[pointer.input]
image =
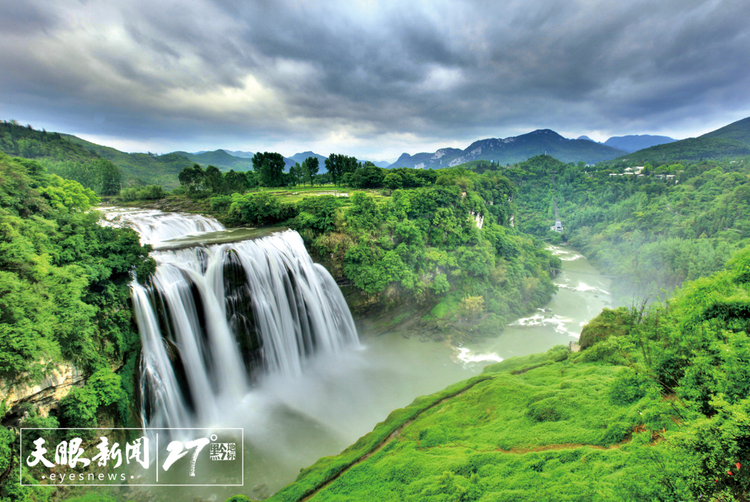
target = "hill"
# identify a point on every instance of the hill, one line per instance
(64, 153)
(513, 150)
(732, 140)
(379, 163)
(219, 158)
(653, 407)
(737, 131)
(633, 143)
(140, 168)
(691, 149)
(238, 153)
(301, 157)
(26, 142)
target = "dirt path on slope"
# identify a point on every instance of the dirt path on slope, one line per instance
(393, 435)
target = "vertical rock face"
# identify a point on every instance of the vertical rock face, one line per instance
(44, 396)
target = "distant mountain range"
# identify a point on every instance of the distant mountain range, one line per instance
(147, 168)
(301, 157)
(513, 150)
(240, 161)
(633, 143)
(732, 140)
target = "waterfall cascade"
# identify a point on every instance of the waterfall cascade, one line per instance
(211, 317)
(155, 226)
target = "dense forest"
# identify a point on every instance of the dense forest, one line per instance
(443, 246)
(100, 168)
(673, 222)
(64, 298)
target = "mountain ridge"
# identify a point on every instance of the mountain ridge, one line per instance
(634, 142)
(732, 140)
(512, 150)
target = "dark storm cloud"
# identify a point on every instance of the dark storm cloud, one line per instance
(362, 71)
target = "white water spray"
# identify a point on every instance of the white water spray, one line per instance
(212, 315)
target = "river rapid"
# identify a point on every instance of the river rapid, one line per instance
(290, 421)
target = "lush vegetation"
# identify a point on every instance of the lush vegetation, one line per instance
(63, 299)
(677, 222)
(655, 405)
(445, 248)
(100, 168)
(693, 149)
(139, 169)
(732, 140)
(656, 409)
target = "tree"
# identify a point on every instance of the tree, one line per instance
(192, 177)
(338, 165)
(368, 176)
(311, 168)
(295, 173)
(235, 182)
(270, 168)
(110, 176)
(213, 179)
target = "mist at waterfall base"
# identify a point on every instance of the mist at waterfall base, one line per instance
(303, 403)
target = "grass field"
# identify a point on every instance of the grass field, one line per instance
(542, 427)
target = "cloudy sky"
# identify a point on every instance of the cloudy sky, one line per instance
(370, 78)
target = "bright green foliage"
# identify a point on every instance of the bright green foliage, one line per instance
(310, 168)
(317, 214)
(63, 277)
(424, 245)
(657, 410)
(79, 407)
(151, 192)
(608, 323)
(258, 209)
(649, 232)
(64, 292)
(100, 175)
(67, 195)
(97, 167)
(339, 166)
(203, 183)
(107, 386)
(535, 428)
(94, 496)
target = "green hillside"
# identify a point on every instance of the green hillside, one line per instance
(303, 156)
(20, 141)
(738, 131)
(655, 408)
(732, 140)
(219, 158)
(675, 223)
(140, 169)
(691, 149)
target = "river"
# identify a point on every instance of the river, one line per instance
(290, 421)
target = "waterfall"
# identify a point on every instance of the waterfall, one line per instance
(155, 226)
(213, 317)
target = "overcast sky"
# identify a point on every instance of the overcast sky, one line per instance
(370, 78)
